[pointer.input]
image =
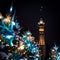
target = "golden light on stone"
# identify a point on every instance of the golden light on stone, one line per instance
(7, 19)
(41, 29)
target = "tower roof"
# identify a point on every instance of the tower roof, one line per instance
(41, 21)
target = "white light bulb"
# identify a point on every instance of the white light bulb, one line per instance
(28, 45)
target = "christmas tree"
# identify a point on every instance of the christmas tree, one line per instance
(12, 45)
(55, 54)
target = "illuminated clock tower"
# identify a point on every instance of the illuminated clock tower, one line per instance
(41, 43)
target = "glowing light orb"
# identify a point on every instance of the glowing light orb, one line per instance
(37, 55)
(1, 16)
(11, 8)
(0, 40)
(29, 45)
(9, 36)
(24, 36)
(13, 23)
(21, 47)
(41, 21)
(7, 19)
(28, 33)
(53, 50)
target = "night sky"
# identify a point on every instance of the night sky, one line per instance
(29, 12)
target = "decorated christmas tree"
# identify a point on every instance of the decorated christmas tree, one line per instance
(55, 54)
(12, 45)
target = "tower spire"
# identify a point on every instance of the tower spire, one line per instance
(41, 42)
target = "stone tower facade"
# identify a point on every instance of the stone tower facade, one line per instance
(41, 43)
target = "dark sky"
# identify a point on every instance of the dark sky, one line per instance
(29, 12)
